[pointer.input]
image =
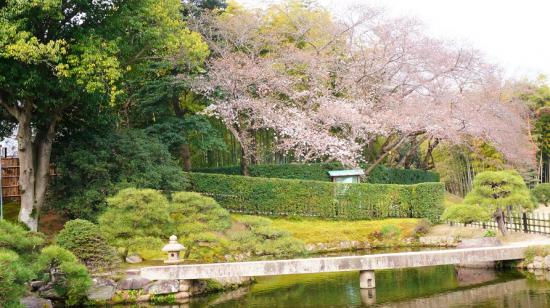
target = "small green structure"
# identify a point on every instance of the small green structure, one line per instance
(346, 176)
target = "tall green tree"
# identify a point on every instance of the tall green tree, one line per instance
(57, 56)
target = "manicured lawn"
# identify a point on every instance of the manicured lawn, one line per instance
(312, 230)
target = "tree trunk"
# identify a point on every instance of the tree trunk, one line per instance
(186, 157)
(377, 162)
(245, 162)
(499, 216)
(185, 150)
(34, 164)
(27, 213)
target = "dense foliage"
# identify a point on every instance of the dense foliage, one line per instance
(140, 220)
(259, 238)
(13, 274)
(265, 196)
(84, 240)
(498, 192)
(465, 213)
(134, 217)
(197, 220)
(319, 172)
(541, 193)
(92, 168)
(60, 268)
(16, 238)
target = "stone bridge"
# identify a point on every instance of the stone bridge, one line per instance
(366, 264)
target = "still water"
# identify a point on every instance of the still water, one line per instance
(439, 286)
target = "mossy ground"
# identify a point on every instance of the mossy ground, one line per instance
(328, 231)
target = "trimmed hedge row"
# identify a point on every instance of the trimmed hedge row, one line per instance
(284, 197)
(318, 172)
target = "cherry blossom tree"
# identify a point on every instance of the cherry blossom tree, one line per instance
(330, 96)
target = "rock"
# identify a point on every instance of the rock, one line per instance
(144, 298)
(102, 289)
(133, 283)
(34, 301)
(182, 295)
(49, 293)
(185, 285)
(530, 266)
(35, 285)
(162, 287)
(232, 282)
(134, 259)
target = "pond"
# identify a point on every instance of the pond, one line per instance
(439, 286)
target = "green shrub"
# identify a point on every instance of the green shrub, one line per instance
(269, 196)
(196, 220)
(465, 213)
(84, 240)
(134, 214)
(15, 237)
(490, 233)
(541, 192)
(422, 228)
(319, 172)
(536, 251)
(13, 276)
(260, 239)
(390, 231)
(70, 278)
(148, 248)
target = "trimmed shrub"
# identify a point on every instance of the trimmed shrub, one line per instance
(541, 192)
(319, 172)
(15, 237)
(390, 232)
(465, 213)
(197, 219)
(422, 228)
(260, 238)
(84, 240)
(134, 214)
(269, 196)
(13, 276)
(60, 267)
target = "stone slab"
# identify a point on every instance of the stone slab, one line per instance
(336, 264)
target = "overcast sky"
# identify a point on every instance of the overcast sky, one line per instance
(512, 33)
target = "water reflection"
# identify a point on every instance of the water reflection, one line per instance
(440, 286)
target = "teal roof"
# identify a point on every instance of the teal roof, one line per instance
(350, 172)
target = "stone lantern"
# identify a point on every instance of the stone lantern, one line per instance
(173, 249)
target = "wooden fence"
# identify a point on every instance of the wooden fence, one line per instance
(10, 178)
(520, 222)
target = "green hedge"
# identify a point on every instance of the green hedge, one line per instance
(318, 172)
(283, 197)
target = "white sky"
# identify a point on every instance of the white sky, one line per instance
(512, 33)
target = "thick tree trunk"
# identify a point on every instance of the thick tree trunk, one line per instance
(499, 216)
(34, 163)
(27, 172)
